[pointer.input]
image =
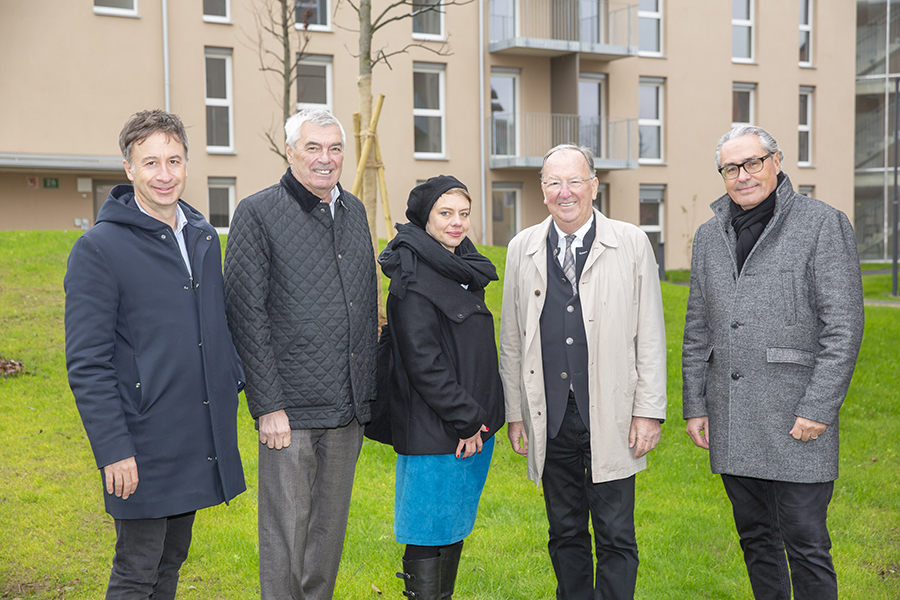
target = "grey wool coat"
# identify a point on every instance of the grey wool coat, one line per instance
(777, 341)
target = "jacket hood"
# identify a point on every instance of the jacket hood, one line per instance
(120, 207)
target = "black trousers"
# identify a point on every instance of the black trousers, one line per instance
(149, 553)
(775, 518)
(571, 498)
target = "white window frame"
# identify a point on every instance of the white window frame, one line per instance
(748, 23)
(750, 88)
(660, 228)
(807, 28)
(317, 26)
(438, 37)
(658, 16)
(601, 202)
(515, 75)
(117, 12)
(222, 183)
(228, 101)
(220, 19)
(327, 62)
(659, 121)
(806, 127)
(441, 111)
(505, 187)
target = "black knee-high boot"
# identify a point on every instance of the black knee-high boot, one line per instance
(423, 578)
(449, 567)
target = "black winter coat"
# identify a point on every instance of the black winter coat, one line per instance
(445, 358)
(302, 305)
(150, 358)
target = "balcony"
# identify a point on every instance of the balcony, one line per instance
(520, 140)
(600, 29)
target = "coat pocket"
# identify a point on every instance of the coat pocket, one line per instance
(706, 359)
(790, 355)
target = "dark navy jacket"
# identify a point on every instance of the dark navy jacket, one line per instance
(151, 361)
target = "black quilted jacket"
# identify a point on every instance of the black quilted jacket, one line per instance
(302, 306)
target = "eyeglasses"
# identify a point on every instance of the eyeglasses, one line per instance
(555, 185)
(754, 165)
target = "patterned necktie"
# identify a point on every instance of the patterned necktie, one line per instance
(569, 263)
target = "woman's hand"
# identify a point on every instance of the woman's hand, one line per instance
(470, 446)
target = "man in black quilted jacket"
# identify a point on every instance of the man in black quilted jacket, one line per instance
(302, 307)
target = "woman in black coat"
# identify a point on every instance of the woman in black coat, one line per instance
(448, 401)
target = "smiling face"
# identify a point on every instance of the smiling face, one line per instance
(158, 170)
(448, 221)
(317, 157)
(749, 190)
(570, 208)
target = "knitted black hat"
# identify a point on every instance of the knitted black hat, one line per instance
(423, 196)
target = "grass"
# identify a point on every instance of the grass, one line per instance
(58, 542)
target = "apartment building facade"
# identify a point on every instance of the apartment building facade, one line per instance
(480, 90)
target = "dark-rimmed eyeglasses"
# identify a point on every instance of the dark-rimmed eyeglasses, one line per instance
(751, 166)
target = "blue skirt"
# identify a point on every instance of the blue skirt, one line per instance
(436, 496)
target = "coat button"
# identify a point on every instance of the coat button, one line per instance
(340, 256)
(351, 303)
(200, 344)
(138, 384)
(570, 308)
(537, 292)
(532, 371)
(209, 237)
(564, 375)
(735, 376)
(206, 402)
(735, 325)
(209, 458)
(197, 285)
(187, 287)
(570, 341)
(459, 315)
(539, 413)
(162, 237)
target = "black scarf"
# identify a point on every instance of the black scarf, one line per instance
(749, 224)
(412, 244)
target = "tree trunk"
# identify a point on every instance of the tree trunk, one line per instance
(364, 85)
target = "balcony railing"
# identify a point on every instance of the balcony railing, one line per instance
(520, 140)
(606, 30)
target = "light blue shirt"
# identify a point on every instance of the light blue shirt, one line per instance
(179, 233)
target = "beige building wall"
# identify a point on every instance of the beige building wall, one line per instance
(71, 78)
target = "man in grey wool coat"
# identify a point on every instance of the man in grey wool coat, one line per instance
(773, 328)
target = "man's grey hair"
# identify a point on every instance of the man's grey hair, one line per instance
(585, 151)
(765, 138)
(316, 116)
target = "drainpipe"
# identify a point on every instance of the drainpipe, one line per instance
(165, 32)
(481, 136)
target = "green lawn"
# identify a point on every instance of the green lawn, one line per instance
(58, 542)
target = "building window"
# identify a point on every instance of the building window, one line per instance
(650, 119)
(221, 202)
(806, 7)
(427, 20)
(743, 100)
(651, 216)
(650, 27)
(217, 11)
(428, 109)
(118, 8)
(219, 100)
(742, 30)
(314, 82)
(807, 190)
(504, 112)
(592, 113)
(311, 14)
(804, 128)
(505, 199)
(601, 202)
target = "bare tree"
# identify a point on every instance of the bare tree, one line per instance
(398, 10)
(280, 46)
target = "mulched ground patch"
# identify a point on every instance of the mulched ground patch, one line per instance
(10, 368)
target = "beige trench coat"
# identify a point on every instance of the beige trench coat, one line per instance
(623, 320)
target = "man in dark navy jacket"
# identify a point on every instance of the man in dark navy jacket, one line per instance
(151, 362)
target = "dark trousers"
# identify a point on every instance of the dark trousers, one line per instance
(149, 553)
(571, 498)
(778, 517)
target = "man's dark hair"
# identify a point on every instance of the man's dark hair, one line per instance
(147, 122)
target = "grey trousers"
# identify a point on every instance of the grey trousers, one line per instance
(304, 501)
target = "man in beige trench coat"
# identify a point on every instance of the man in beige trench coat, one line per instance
(583, 363)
